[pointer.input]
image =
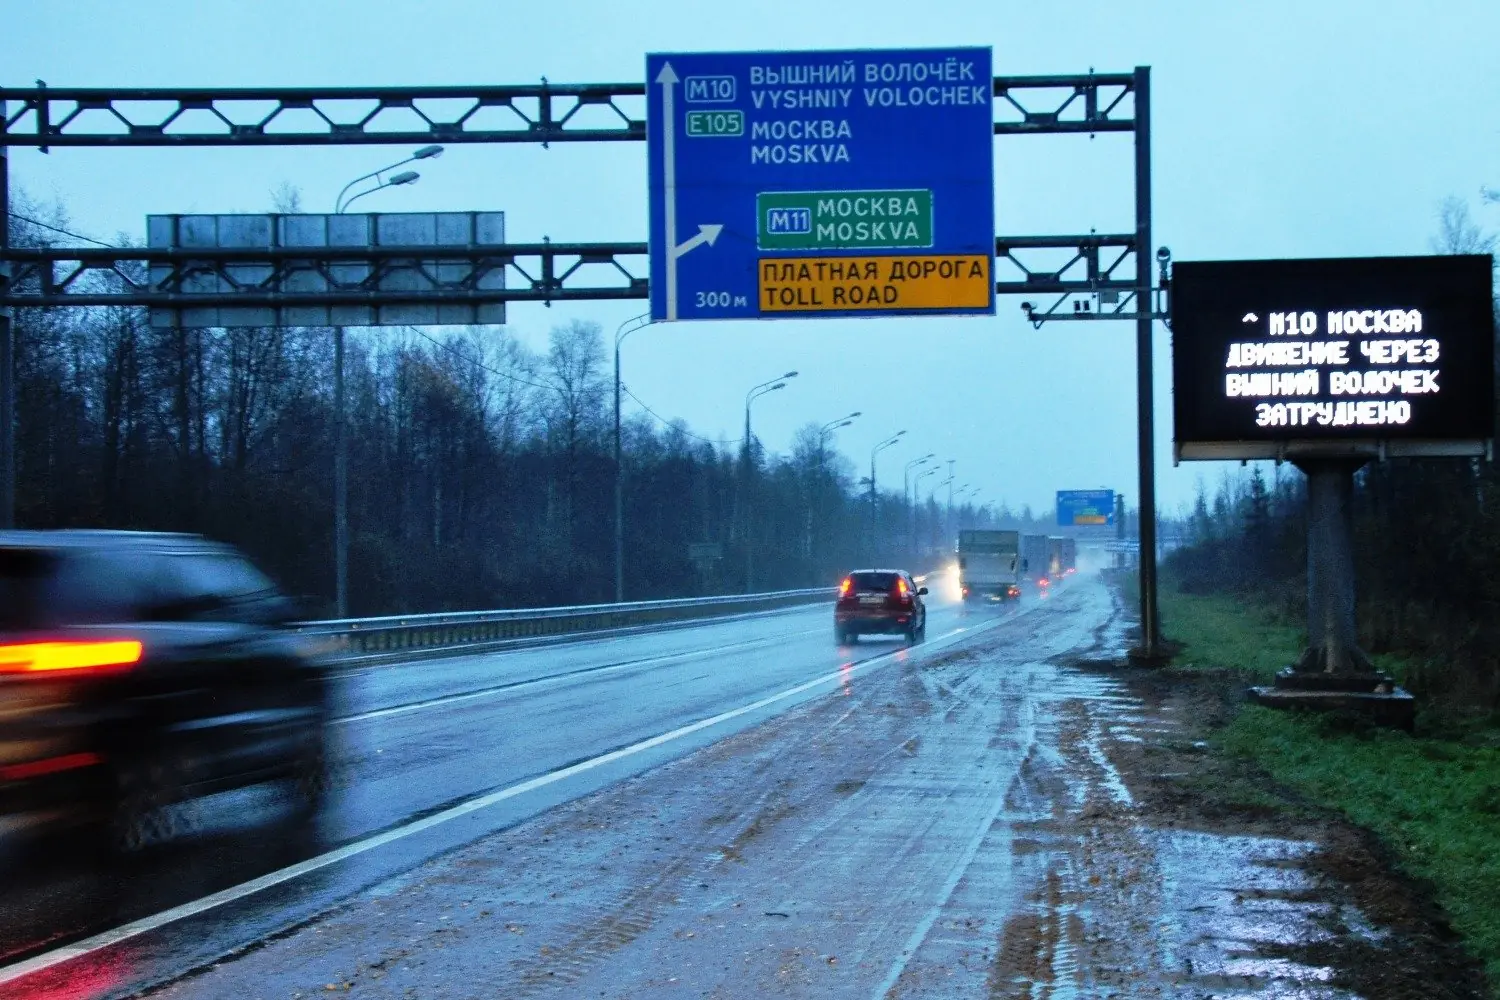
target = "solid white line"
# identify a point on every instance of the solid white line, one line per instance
(925, 925)
(146, 924)
(580, 673)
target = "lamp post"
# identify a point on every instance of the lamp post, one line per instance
(817, 487)
(916, 485)
(874, 493)
(425, 153)
(906, 499)
(933, 497)
(750, 397)
(628, 327)
(340, 431)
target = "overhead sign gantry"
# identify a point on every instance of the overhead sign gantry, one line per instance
(843, 183)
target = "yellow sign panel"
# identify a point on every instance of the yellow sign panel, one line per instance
(875, 284)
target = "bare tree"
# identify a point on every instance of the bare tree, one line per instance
(1458, 233)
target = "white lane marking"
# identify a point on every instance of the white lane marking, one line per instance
(580, 672)
(924, 926)
(136, 928)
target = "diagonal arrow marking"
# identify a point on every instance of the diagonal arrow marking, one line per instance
(706, 235)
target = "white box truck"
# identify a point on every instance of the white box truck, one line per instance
(989, 565)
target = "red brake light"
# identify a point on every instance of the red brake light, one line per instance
(844, 587)
(900, 586)
(66, 657)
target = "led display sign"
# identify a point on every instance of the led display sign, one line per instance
(1285, 357)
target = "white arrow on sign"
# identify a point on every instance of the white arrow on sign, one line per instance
(706, 233)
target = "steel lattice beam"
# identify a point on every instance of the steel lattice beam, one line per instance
(43, 117)
(283, 116)
(160, 277)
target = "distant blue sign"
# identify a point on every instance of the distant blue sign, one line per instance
(1085, 507)
(850, 183)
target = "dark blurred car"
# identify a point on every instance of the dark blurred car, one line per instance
(880, 602)
(138, 670)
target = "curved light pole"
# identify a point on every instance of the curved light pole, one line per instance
(933, 496)
(874, 494)
(906, 500)
(755, 393)
(425, 153)
(340, 433)
(817, 488)
(628, 327)
(916, 485)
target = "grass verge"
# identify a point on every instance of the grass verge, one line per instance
(1434, 802)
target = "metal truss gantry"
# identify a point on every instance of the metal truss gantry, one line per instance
(1110, 270)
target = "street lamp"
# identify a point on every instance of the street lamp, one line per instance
(874, 494)
(628, 327)
(755, 393)
(911, 508)
(425, 153)
(916, 485)
(932, 497)
(340, 432)
(815, 493)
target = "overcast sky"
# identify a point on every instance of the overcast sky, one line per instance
(1302, 128)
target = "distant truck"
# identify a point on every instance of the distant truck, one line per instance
(1055, 559)
(990, 565)
(1034, 556)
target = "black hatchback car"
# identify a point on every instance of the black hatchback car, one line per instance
(880, 601)
(138, 670)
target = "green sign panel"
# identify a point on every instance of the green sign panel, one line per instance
(714, 124)
(843, 220)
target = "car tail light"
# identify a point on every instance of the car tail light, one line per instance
(69, 658)
(903, 592)
(845, 587)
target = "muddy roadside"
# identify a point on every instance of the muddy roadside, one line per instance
(1401, 945)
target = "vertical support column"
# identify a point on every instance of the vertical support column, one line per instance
(1120, 533)
(340, 481)
(1146, 433)
(1332, 637)
(749, 522)
(7, 352)
(619, 491)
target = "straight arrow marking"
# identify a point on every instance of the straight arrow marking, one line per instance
(668, 80)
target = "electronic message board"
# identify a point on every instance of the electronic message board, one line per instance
(1276, 358)
(821, 184)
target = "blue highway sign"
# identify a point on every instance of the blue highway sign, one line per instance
(1085, 507)
(798, 184)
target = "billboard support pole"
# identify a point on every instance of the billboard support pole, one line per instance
(1150, 648)
(7, 354)
(1332, 636)
(340, 481)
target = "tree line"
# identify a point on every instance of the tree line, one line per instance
(481, 473)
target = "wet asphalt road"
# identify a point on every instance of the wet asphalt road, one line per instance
(952, 823)
(420, 740)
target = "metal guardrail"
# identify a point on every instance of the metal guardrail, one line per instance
(469, 631)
